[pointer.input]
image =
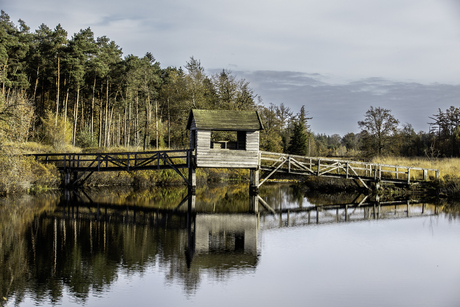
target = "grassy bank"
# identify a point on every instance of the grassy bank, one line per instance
(20, 173)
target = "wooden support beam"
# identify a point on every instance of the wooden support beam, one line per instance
(269, 175)
(266, 206)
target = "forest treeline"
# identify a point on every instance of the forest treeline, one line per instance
(81, 90)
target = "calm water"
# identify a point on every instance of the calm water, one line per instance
(128, 248)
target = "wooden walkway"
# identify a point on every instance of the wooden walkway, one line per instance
(77, 167)
(82, 165)
(333, 168)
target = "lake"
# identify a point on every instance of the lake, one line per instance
(119, 247)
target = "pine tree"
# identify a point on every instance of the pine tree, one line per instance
(298, 142)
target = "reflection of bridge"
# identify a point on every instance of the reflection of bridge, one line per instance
(208, 235)
(351, 212)
(214, 237)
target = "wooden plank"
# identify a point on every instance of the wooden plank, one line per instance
(217, 159)
(229, 155)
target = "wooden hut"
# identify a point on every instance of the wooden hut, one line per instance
(241, 151)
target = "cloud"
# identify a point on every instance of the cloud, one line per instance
(336, 108)
(412, 46)
(411, 40)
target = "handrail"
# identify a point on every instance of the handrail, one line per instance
(347, 161)
(349, 169)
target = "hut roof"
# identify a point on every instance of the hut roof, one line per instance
(225, 120)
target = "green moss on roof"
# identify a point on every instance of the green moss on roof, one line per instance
(225, 120)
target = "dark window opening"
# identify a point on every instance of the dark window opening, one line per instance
(232, 140)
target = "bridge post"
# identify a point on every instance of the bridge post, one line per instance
(191, 202)
(66, 178)
(254, 203)
(191, 174)
(254, 182)
(192, 180)
(254, 191)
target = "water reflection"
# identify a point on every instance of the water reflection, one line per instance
(81, 243)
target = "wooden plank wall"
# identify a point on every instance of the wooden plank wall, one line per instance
(252, 141)
(203, 142)
(224, 158)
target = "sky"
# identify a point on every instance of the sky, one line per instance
(336, 57)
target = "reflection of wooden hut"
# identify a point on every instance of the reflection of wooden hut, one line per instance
(239, 153)
(219, 233)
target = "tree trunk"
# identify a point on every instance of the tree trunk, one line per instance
(82, 120)
(36, 82)
(5, 70)
(156, 123)
(129, 125)
(169, 126)
(92, 110)
(146, 124)
(125, 128)
(101, 111)
(66, 106)
(119, 130)
(65, 111)
(136, 124)
(109, 125)
(106, 132)
(74, 132)
(58, 87)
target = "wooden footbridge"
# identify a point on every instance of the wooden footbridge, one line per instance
(362, 172)
(77, 167)
(241, 152)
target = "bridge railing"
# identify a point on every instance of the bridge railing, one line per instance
(118, 161)
(327, 167)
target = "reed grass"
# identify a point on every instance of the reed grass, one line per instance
(448, 183)
(446, 166)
